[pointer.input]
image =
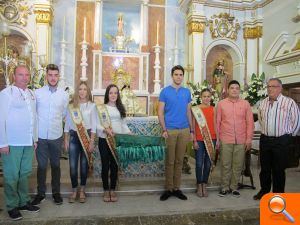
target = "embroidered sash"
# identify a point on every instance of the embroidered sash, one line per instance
(201, 121)
(106, 123)
(81, 132)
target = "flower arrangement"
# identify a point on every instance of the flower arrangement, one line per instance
(257, 89)
(196, 92)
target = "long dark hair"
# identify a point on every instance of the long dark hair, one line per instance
(119, 104)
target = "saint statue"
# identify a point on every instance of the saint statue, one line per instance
(122, 79)
(120, 25)
(220, 80)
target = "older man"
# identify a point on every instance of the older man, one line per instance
(52, 105)
(18, 138)
(279, 118)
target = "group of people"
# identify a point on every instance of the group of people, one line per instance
(228, 128)
(32, 123)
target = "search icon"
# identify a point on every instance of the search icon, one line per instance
(277, 205)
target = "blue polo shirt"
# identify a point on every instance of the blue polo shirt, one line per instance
(176, 103)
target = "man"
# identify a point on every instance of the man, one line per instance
(279, 118)
(18, 139)
(52, 104)
(234, 127)
(174, 114)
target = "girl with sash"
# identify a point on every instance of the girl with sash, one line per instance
(111, 122)
(204, 140)
(80, 132)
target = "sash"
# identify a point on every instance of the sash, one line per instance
(82, 133)
(201, 121)
(106, 123)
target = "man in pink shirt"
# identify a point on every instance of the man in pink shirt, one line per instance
(234, 127)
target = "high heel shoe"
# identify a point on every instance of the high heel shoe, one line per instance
(72, 197)
(204, 190)
(199, 190)
(82, 196)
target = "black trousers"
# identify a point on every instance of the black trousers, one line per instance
(108, 165)
(273, 160)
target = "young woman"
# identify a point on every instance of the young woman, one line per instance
(81, 111)
(116, 114)
(203, 162)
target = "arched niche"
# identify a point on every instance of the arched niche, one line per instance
(228, 48)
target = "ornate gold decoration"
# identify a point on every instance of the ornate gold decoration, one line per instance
(297, 46)
(121, 78)
(196, 27)
(43, 16)
(15, 11)
(224, 25)
(253, 32)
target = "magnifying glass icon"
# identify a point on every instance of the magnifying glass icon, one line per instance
(277, 205)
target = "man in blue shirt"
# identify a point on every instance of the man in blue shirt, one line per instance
(174, 114)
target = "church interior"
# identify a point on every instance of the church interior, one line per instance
(135, 43)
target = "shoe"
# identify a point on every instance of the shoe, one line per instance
(57, 199)
(199, 190)
(165, 195)
(204, 190)
(236, 194)
(106, 196)
(38, 199)
(29, 208)
(259, 195)
(178, 193)
(82, 196)
(113, 196)
(72, 197)
(15, 214)
(223, 193)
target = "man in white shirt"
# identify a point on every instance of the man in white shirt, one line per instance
(52, 105)
(18, 139)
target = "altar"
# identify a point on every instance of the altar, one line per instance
(148, 161)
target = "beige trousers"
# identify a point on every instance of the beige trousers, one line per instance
(232, 161)
(176, 147)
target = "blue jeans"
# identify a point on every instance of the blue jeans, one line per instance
(203, 163)
(75, 152)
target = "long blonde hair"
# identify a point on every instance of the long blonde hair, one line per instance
(75, 99)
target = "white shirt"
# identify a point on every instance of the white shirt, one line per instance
(51, 110)
(89, 114)
(18, 121)
(118, 125)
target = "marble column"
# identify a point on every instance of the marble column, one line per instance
(144, 24)
(253, 49)
(44, 15)
(98, 21)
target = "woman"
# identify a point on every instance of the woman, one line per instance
(203, 162)
(116, 113)
(82, 111)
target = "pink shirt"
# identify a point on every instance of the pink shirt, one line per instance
(234, 123)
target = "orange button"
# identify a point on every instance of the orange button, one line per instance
(280, 209)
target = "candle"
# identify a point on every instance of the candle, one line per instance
(157, 31)
(64, 25)
(176, 35)
(84, 28)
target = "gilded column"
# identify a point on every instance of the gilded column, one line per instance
(44, 15)
(196, 27)
(253, 50)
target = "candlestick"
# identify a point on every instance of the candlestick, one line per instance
(176, 35)
(84, 28)
(64, 25)
(157, 32)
